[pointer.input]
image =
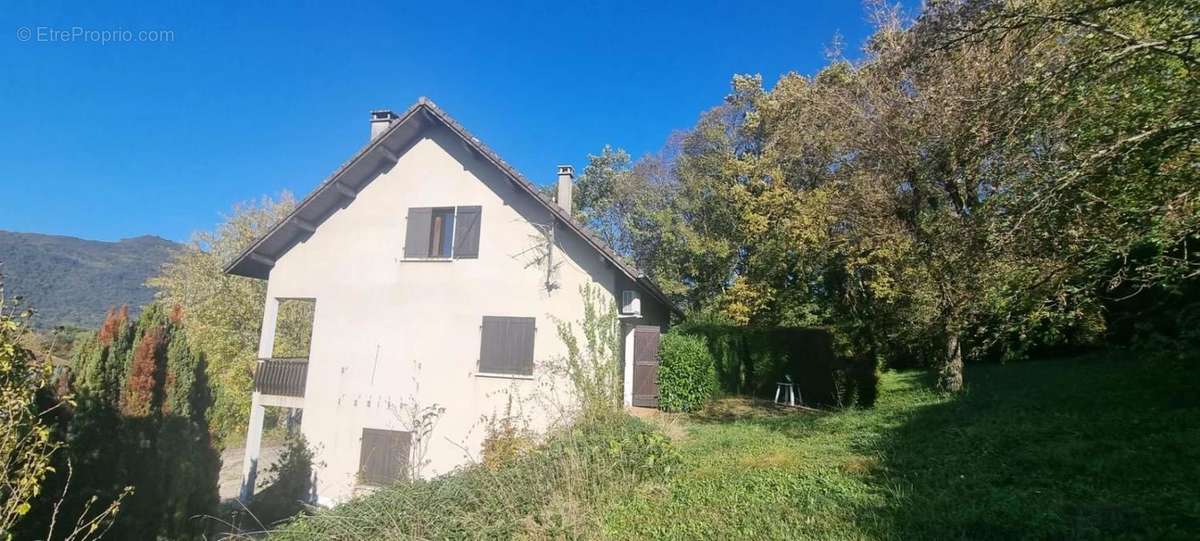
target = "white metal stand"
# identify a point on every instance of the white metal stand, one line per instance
(780, 387)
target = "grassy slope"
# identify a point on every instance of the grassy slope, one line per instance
(1058, 449)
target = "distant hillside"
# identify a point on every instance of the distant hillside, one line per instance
(72, 281)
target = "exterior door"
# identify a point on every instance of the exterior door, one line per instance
(645, 366)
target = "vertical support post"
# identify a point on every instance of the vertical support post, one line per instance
(628, 328)
(253, 447)
(266, 337)
(266, 345)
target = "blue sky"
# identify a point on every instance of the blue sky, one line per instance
(114, 140)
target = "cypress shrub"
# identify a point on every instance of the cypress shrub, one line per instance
(139, 420)
(687, 375)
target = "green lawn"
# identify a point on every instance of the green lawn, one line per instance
(1068, 449)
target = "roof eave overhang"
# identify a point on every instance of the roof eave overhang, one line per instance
(259, 257)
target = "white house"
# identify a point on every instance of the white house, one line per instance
(437, 273)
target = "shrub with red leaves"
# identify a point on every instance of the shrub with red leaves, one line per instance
(144, 389)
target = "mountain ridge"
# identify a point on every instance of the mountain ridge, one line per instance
(72, 281)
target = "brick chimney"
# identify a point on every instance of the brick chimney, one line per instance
(566, 187)
(381, 119)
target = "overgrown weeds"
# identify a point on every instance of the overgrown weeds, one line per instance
(548, 492)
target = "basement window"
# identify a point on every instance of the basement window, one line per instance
(383, 456)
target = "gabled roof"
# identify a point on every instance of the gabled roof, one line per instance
(381, 152)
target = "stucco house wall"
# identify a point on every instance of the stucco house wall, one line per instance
(390, 332)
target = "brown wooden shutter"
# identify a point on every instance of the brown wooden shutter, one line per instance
(383, 459)
(520, 333)
(506, 345)
(416, 238)
(466, 232)
(491, 344)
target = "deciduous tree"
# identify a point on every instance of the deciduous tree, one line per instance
(222, 314)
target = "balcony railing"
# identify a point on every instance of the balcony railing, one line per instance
(281, 376)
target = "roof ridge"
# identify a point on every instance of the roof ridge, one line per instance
(529, 184)
(423, 102)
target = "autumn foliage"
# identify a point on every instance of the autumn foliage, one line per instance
(140, 419)
(114, 322)
(145, 385)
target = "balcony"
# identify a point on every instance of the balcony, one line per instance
(281, 376)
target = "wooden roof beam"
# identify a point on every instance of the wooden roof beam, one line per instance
(304, 224)
(387, 153)
(345, 190)
(259, 258)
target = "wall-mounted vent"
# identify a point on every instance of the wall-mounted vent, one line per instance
(631, 303)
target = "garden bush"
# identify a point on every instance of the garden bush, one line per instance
(506, 438)
(290, 485)
(687, 374)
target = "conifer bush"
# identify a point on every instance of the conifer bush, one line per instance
(136, 431)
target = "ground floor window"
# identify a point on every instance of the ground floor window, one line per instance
(384, 456)
(506, 345)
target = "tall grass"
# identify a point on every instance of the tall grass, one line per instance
(549, 492)
(1074, 449)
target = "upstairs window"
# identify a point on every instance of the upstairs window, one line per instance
(442, 233)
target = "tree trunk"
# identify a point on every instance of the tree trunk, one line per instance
(950, 376)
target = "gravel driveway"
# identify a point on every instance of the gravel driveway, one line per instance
(231, 468)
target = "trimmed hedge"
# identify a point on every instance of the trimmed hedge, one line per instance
(751, 360)
(687, 375)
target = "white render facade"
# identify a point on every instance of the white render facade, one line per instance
(392, 329)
